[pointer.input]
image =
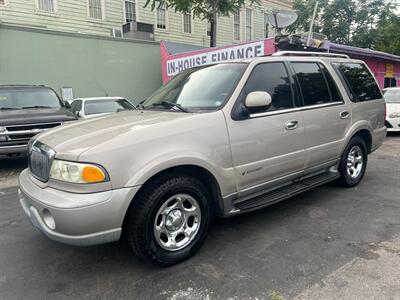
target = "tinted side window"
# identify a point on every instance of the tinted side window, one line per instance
(273, 79)
(335, 94)
(360, 83)
(312, 83)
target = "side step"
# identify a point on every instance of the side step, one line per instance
(286, 191)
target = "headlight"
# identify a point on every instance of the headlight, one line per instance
(395, 115)
(77, 172)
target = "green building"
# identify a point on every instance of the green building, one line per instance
(106, 17)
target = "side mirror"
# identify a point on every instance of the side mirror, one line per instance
(258, 100)
(67, 105)
(78, 114)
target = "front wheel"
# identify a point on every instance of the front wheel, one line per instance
(353, 163)
(168, 221)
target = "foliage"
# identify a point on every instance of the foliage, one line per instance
(208, 10)
(361, 23)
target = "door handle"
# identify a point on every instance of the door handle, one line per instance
(292, 124)
(344, 114)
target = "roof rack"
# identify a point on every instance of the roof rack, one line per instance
(306, 53)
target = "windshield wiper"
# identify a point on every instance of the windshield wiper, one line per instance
(36, 106)
(8, 108)
(171, 105)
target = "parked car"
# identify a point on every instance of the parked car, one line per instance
(218, 140)
(99, 106)
(392, 99)
(26, 110)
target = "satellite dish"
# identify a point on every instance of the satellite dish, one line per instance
(282, 18)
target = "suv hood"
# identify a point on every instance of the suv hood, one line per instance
(71, 140)
(34, 116)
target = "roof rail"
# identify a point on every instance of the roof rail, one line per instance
(306, 53)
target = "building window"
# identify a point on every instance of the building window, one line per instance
(208, 29)
(266, 25)
(43, 5)
(187, 23)
(161, 15)
(249, 23)
(95, 9)
(236, 26)
(130, 11)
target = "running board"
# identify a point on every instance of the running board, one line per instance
(286, 191)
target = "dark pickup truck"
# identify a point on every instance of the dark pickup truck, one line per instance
(25, 111)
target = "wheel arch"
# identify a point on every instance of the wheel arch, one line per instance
(362, 130)
(199, 172)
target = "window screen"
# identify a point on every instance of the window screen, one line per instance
(130, 11)
(187, 23)
(161, 15)
(249, 24)
(312, 83)
(45, 5)
(360, 83)
(236, 26)
(273, 79)
(95, 9)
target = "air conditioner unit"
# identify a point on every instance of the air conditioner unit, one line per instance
(136, 30)
(116, 32)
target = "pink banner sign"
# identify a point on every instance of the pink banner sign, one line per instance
(173, 64)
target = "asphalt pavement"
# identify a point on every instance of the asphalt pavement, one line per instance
(328, 243)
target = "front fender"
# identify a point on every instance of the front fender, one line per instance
(225, 177)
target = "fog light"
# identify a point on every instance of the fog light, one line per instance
(48, 219)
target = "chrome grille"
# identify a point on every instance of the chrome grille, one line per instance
(40, 158)
(20, 134)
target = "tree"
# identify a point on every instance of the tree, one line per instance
(362, 23)
(387, 36)
(208, 10)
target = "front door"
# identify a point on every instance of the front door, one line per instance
(268, 145)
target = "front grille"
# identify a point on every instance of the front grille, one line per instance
(15, 135)
(40, 158)
(32, 126)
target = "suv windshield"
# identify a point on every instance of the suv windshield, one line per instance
(21, 98)
(204, 88)
(93, 107)
(392, 96)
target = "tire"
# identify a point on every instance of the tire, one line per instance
(354, 154)
(154, 217)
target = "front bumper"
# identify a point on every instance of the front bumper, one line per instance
(75, 219)
(393, 124)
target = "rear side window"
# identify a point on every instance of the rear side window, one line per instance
(273, 79)
(360, 83)
(314, 83)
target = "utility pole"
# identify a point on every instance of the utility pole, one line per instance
(312, 24)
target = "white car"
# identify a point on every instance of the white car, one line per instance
(392, 99)
(98, 106)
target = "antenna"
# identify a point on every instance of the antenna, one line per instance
(280, 19)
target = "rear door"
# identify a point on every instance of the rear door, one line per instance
(327, 117)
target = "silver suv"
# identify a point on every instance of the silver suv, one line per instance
(218, 140)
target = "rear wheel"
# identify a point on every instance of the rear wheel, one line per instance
(168, 221)
(353, 162)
